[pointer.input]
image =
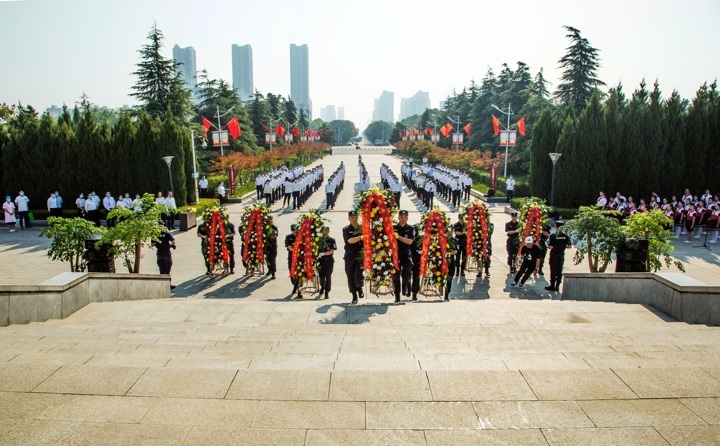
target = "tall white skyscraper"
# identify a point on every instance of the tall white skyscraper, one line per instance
(416, 105)
(300, 78)
(341, 113)
(328, 114)
(242, 69)
(385, 107)
(188, 67)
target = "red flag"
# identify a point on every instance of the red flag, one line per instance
(315, 133)
(307, 132)
(445, 130)
(496, 125)
(426, 132)
(415, 131)
(431, 131)
(267, 130)
(399, 135)
(407, 132)
(280, 130)
(467, 129)
(234, 128)
(295, 132)
(207, 124)
(521, 126)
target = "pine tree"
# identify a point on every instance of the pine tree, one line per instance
(712, 166)
(480, 115)
(634, 144)
(592, 151)
(656, 137)
(259, 115)
(696, 147)
(567, 176)
(580, 65)
(616, 159)
(123, 137)
(674, 162)
(545, 137)
(160, 86)
(173, 142)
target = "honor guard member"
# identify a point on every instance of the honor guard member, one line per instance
(164, 257)
(326, 261)
(230, 243)
(289, 246)
(544, 235)
(557, 244)
(452, 254)
(511, 230)
(530, 253)
(271, 247)
(353, 250)
(460, 229)
(405, 237)
(416, 252)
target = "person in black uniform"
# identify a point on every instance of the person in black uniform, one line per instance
(557, 244)
(544, 234)
(530, 253)
(452, 264)
(511, 229)
(271, 249)
(327, 262)
(460, 229)
(289, 246)
(230, 243)
(164, 257)
(488, 258)
(353, 249)
(416, 253)
(405, 236)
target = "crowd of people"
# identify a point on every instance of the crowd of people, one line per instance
(691, 216)
(293, 185)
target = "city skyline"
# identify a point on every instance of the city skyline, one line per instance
(300, 78)
(242, 68)
(355, 59)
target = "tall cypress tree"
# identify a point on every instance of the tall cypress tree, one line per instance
(567, 177)
(635, 142)
(544, 141)
(580, 65)
(174, 144)
(674, 162)
(259, 115)
(592, 151)
(712, 166)
(696, 147)
(616, 157)
(657, 137)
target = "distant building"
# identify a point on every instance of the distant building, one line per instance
(341, 113)
(188, 67)
(242, 71)
(385, 107)
(300, 78)
(442, 105)
(54, 111)
(328, 113)
(415, 105)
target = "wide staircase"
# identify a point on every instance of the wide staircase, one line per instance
(213, 371)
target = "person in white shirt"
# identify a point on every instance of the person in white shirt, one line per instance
(602, 200)
(137, 203)
(159, 199)
(80, 206)
(91, 211)
(171, 208)
(468, 183)
(287, 191)
(510, 188)
(21, 202)
(221, 192)
(109, 205)
(203, 183)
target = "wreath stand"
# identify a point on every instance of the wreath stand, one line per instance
(382, 287)
(256, 271)
(430, 288)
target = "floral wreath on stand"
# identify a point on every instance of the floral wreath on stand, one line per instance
(435, 246)
(377, 209)
(533, 215)
(255, 229)
(477, 218)
(216, 242)
(305, 251)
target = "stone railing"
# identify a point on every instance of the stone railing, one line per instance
(677, 295)
(66, 293)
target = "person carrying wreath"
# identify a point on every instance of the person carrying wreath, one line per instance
(405, 237)
(326, 262)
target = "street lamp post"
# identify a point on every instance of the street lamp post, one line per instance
(218, 116)
(457, 132)
(554, 157)
(168, 161)
(509, 113)
(196, 174)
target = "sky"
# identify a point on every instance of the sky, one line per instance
(53, 51)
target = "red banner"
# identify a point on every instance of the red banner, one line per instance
(493, 176)
(231, 176)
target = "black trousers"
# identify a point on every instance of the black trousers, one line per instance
(353, 271)
(461, 258)
(271, 260)
(405, 273)
(556, 269)
(511, 251)
(296, 200)
(526, 269)
(416, 278)
(23, 219)
(164, 261)
(327, 264)
(510, 194)
(451, 272)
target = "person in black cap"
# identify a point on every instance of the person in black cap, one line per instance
(405, 237)
(353, 249)
(326, 261)
(289, 246)
(460, 229)
(557, 244)
(271, 249)
(530, 253)
(416, 253)
(512, 244)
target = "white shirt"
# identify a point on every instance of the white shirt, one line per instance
(221, 190)
(160, 201)
(203, 183)
(602, 201)
(170, 203)
(22, 203)
(510, 184)
(90, 205)
(109, 203)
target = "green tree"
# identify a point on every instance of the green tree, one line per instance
(159, 85)
(653, 226)
(595, 234)
(545, 137)
(378, 130)
(568, 170)
(614, 111)
(290, 114)
(580, 64)
(396, 133)
(344, 130)
(656, 136)
(635, 142)
(303, 119)
(674, 163)
(259, 116)
(133, 231)
(592, 151)
(68, 237)
(327, 134)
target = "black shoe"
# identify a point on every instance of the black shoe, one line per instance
(322, 290)
(273, 276)
(354, 302)
(513, 284)
(269, 273)
(327, 296)
(462, 274)
(447, 299)
(487, 272)
(549, 288)
(397, 301)
(361, 295)
(541, 273)
(172, 287)
(298, 297)
(414, 298)
(232, 271)
(521, 285)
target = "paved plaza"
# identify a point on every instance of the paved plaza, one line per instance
(235, 361)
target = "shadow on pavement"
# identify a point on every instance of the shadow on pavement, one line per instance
(352, 314)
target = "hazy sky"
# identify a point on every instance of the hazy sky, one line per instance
(54, 50)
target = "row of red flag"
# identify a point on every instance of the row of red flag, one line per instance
(447, 128)
(234, 128)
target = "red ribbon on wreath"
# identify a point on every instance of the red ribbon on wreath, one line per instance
(379, 202)
(255, 223)
(482, 216)
(216, 222)
(533, 225)
(441, 232)
(303, 238)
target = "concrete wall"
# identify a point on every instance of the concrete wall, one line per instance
(66, 293)
(680, 297)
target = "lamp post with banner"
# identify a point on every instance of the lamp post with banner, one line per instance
(554, 157)
(221, 137)
(435, 137)
(168, 160)
(509, 136)
(195, 173)
(457, 136)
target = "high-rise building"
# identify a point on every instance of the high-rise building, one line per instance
(341, 113)
(242, 69)
(188, 68)
(416, 105)
(385, 107)
(328, 114)
(300, 78)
